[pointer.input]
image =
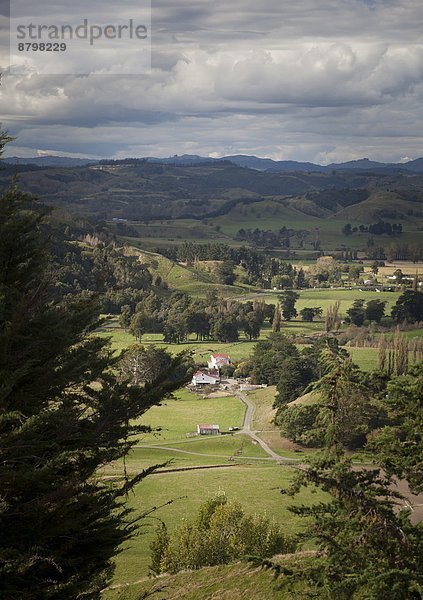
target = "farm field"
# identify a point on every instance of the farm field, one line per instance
(241, 468)
(187, 409)
(327, 296)
(273, 213)
(179, 415)
(255, 486)
(177, 418)
(225, 450)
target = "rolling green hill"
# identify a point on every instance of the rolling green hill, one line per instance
(164, 204)
(192, 280)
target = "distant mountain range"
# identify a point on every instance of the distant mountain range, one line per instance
(250, 162)
(280, 166)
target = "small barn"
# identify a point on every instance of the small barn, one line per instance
(208, 430)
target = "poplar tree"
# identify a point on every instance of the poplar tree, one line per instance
(277, 320)
(382, 355)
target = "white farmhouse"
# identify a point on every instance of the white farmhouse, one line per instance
(219, 360)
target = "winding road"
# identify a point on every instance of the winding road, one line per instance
(246, 429)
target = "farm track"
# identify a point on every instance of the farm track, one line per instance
(171, 449)
(246, 430)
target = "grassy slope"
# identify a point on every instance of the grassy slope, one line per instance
(263, 423)
(263, 408)
(272, 213)
(369, 210)
(306, 400)
(238, 581)
(196, 282)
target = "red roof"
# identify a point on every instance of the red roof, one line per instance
(208, 426)
(221, 356)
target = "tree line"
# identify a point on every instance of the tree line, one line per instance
(379, 228)
(266, 238)
(180, 315)
(259, 268)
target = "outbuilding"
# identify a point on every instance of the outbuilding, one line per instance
(208, 429)
(200, 378)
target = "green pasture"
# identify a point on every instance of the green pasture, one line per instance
(227, 449)
(255, 486)
(325, 297)
(241, 468)
(272, 213)
(173, 424)
(171, 233)
(365, 358)
(180, 415)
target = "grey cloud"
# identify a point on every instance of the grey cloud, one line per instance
(303, 81)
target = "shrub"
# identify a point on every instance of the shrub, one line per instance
(220, 534)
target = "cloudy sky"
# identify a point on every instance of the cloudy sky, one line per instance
(318, 80)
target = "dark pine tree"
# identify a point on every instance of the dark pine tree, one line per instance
(367, 548)
(63, 416)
